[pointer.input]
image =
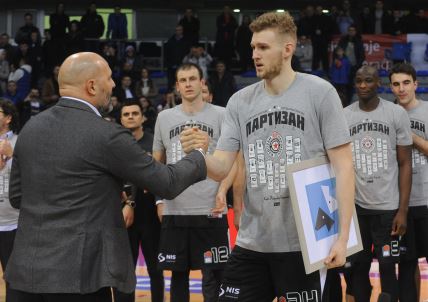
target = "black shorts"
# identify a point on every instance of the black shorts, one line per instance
(414, 243)
(375, 229)
(260, 277)
(192, 242)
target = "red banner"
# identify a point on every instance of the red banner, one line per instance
(377, 48)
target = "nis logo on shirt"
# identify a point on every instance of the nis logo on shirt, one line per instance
(166, 257)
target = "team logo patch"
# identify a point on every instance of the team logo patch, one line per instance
(161, 258)
(208, 257)
(367, 144)
(386, 251)
(275, 144)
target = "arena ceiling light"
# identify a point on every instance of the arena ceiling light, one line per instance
(280, 10)
(236, 10)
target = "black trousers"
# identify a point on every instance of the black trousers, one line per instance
(148, 236)
(6, 244)
(102, 295)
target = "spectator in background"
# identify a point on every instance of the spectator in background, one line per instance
(381, 19)
(24, 32)
(207, 92)
(4, 71)
(50, 54)
(150, 114)
(366, 21)
(352, 45)
(11, 50)
(21, 75)
(12, 93)
(92, 28)
(145, 85)
(50, 90)
(36, 58)
(225, 37)
(304, 53)
(417, 22)
(323, 27)
(74, 39)
(136, 61)
(110, 55)
(59, 23)
(200, 57)
(398, 25)
(9, 126)
(339, 74)
(223, 84)
(191, 26)
(117, 26)
(243, 47)
(167, 100)
(344, 20)
(32, 106)
(124, 90)
(175, 50)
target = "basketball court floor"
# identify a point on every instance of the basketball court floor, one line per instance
(143, 284)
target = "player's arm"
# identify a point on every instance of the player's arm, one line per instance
(341, 161)
(420, 143)
(238, 189)
(404, 159)
(225, 184)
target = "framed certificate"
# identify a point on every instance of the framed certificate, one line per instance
(312, 186)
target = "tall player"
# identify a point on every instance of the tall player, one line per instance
(381, 140)
(193, 235)
(285, 118)
(415, 242)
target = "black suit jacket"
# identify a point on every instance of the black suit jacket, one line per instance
(66, 178)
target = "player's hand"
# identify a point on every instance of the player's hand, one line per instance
(220, 204)
(193, 138)
(128, 215)
(6, 150)
(399, 224)
(337, 256)
(159, 209)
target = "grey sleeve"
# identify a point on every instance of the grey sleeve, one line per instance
(157, 137)
(230, 138)
(332, 121)
(404, 132)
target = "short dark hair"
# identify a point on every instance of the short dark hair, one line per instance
(9, 109)
(131, 102)
(28, 15)
(403, 68)
(187, 66)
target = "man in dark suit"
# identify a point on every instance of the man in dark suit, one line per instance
(68, 166)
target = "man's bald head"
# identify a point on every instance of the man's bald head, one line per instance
(86, 76)
(78, 68)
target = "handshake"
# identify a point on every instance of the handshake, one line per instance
(193, 139)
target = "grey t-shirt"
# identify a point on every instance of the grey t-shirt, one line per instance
(274, 131)
(375, 136)
(199, 198)
(418, 123)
